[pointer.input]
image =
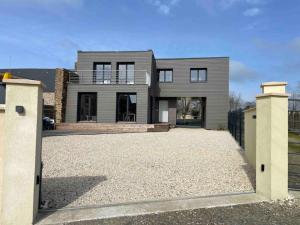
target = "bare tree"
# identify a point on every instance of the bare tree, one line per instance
(294, 99)
(235, 101)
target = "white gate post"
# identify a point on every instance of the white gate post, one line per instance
(22, 151)
(272, 141)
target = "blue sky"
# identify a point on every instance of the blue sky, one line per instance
(261, 37)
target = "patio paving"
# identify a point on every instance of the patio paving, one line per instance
(100, 169)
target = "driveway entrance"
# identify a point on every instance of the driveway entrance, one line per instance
(85, 170)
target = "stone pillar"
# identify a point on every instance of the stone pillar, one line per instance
(22, 151)
(61, 79)
(272, 141)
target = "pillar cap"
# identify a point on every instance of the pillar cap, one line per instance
(273, 87)
(2, 107)
(273, 83)
(24, 82)
(250, 109)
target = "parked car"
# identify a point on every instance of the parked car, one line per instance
(48, 123)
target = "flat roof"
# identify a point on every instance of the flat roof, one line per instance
(80, 51)
(150, 50)
(212, 57)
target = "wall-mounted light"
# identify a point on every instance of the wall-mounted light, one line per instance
(20, 109)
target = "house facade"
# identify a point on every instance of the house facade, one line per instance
(135, 87)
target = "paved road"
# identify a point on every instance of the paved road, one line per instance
(279, 213)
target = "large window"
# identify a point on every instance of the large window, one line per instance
(102, 73)
(125, 73)
(199, 75)
(165, 75)
(191, 111)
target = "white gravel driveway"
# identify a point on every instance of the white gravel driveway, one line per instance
(85, 170)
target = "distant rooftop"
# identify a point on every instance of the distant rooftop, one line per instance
(47, 76)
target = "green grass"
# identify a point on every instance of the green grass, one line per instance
(293, 137)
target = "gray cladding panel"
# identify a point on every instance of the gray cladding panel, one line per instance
(216, 89)
(106, 101)
(142, 61)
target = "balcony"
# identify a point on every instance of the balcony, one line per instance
(110, 77)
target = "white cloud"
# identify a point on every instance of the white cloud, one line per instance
(256, 2)
(252, 12)
(213, 6)
(239, 72)
(164, 6)
(226, 4)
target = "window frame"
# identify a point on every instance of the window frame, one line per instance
(198, 72)
(164, 70)
(103, 72)
(126, 70)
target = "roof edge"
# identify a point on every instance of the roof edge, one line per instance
(216, 57)
(80, 51)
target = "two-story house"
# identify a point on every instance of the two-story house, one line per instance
(135, 87)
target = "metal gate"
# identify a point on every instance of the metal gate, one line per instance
(294, 171)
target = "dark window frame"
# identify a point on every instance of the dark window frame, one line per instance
(198, 70)
(95, 71)
(118, 70)
(158, 75)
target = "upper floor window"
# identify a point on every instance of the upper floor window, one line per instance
(165, 75)
(199, 75)
(102, 73)
(125, 73)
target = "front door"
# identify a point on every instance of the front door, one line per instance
(163, 111)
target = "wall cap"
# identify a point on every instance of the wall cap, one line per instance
(272, 95)
(2, 107)
(24, 82)
(250, 109)
(273, 83)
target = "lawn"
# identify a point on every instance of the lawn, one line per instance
(293, 140)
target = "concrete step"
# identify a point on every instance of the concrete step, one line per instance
(113, 127)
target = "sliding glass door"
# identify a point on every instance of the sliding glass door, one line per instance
(191, 111)
(126, 107)
(87, 107)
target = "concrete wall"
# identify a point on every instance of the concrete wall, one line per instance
(106, 101)
(250, 136)
(216, 89)
(2, 114)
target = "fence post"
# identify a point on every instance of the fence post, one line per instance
(22, 151)
(272, 141)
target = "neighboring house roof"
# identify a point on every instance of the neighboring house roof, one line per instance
(47, 76)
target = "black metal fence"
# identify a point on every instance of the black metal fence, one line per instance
(294, 170)
(236, 125)
(294, 114)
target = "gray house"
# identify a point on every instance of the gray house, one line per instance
(135, 87)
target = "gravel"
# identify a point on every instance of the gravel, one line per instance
(86, 170)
